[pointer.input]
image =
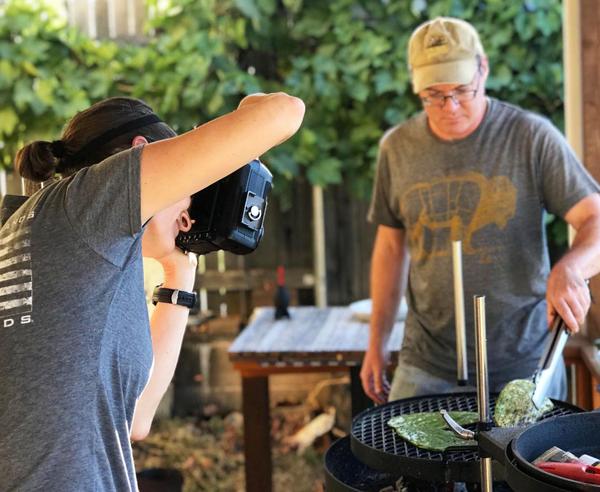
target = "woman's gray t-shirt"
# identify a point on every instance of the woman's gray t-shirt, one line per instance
(75, 346)
(490, 191)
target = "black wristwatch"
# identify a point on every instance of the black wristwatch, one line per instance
(173, 296)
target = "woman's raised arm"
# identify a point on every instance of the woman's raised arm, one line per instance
(179, 167)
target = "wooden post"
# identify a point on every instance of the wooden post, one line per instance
(257, 433)
(589, 16)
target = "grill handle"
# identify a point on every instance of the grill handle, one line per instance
(455, 427)
(459, 315)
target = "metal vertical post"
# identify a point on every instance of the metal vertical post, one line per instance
(462, 375)
(320, 262)
(482, 385)
(572, 70)
(3, 186)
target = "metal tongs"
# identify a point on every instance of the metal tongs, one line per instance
(542, 377)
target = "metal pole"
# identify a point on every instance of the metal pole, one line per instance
(319, 247)
(482, 385)
(485, 466)
(3, 186)
(459, 315)
(572, 77)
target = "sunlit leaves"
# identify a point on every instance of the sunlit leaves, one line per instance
(345, 58)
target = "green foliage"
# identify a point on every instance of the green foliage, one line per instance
(345, 58)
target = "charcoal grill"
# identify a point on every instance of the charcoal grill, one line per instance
(344, 473)
(378, 446)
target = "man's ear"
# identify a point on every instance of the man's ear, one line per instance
(484, 67)
(138, 140)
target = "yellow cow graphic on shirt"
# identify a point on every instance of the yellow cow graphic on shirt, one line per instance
(455, 208)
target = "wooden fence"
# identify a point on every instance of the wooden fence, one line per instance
(243, 282)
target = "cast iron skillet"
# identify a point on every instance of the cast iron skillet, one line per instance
(577, 433)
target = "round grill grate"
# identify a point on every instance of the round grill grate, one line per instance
(377, 445)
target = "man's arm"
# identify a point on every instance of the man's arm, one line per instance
(389, 268)
(567, 293)
(167, 327)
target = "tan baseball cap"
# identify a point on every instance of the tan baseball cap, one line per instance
(443, 51)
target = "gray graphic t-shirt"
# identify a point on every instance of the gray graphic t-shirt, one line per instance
(490, 191)
(75, 346)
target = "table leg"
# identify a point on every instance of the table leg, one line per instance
(595, 394)
(257, 434)
(584, 383)
(360, 401)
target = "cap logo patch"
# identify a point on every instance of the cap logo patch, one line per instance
(434, 41)
(436, 45)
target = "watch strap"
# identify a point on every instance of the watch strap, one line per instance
(173, 296)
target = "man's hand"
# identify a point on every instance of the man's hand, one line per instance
(567, 295)
(373, 377)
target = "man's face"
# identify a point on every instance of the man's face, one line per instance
(455, 111)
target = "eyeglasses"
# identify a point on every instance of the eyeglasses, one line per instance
(458, 96)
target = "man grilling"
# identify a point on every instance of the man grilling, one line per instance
(472, 168)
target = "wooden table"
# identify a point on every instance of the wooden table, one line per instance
(314, 339)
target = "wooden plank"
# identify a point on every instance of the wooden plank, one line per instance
(349, 243)
(574, 355)
(589, 356)
(248, 340)
(252, 369)
(590, 46)
(330, 332)
(288, 238)
(251, 279)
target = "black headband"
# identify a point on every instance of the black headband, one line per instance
(107, 136)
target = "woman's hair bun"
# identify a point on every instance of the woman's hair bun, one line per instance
(38, 160)
(58, 148)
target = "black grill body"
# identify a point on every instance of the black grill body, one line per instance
(344, 473)
(378, 446)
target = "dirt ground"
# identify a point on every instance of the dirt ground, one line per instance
(209, 454)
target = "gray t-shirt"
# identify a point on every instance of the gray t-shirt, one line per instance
(75, 345)
(489, 190)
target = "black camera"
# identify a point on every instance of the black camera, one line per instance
(229, 214)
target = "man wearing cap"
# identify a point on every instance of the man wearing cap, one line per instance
(472, 168)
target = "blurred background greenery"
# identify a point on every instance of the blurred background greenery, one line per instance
(345, 58)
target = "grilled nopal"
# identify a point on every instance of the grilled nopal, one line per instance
(515, 407)
(428, 430)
